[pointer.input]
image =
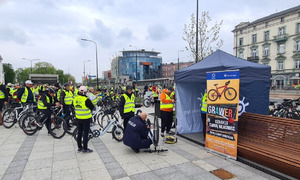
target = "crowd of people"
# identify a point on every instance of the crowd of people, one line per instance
(83, 99)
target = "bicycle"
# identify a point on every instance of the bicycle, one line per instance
(153, 134)
(117, 131)
(15, 114)
(229, 92)
(148, 100)
(57, 124)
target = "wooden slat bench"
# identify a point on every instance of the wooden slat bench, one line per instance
(270, 141)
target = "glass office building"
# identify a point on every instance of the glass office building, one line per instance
(146, 64)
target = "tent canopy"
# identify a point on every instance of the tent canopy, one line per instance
(191, 85)
(219, 61)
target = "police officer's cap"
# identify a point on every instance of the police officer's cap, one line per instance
(66, 84)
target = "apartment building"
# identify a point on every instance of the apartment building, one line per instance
(273, 40)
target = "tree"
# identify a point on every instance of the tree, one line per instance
(22, 74)
(9, 73)
(43, 68)
(208, 36)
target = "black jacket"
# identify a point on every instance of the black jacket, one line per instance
(121, 106)
(62, 97)
(30, 95)
(4, 90)
(52, 102)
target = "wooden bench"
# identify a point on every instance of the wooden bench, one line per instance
(270, 141)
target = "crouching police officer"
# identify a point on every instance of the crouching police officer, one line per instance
(83, 113)
(136, 133)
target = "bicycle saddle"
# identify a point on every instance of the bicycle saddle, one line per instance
(215, 84)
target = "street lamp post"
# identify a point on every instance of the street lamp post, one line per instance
(31, 62)
(84, 80)
(96, 57)
(136, 69)
(69, 75)
(178, 57)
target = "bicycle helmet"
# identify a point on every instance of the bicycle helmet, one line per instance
(82, 89)
(128, 87)
(66, 84)
(51, 90)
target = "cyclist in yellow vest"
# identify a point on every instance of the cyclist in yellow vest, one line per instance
(127, 105)
(66, 99)
(203, 114)
(166, 111)
(3, 99)
(44, 105)
(25, 95)
(83, 113)
(92, 96)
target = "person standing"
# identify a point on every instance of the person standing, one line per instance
(83, 113)
(25, 94)
(3, 99)
(166, 110)
(127, 106)
(66, 99)
(203, 114)
(47, 100)
(92, 96)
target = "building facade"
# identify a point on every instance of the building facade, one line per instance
(107, 75)
(168, 70)
(273, 40)
(137, 64)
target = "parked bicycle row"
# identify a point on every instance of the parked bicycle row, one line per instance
(287, 109)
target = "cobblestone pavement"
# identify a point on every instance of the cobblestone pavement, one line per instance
(42, 157)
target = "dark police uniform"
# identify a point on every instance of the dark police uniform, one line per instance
(136, 134)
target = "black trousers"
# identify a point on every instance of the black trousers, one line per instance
(46, 116)
(166, 120)
(67, 112)
(203, 117)
(126, 118)
(83, 130)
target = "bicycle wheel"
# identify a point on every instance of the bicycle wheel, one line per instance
(230, 94)
(72, 124)
(118, 133)
(29, 126)
(58, 127)
(147, 103)
(212, 95)
(155, 132)
(8, 118)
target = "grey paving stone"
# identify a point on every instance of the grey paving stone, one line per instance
(14, 176)
(176, 176)
(217, 161)
(112, 165)
(165, 171)
(117, 173)
(16, 169)
(18, 163)
(108, 154)
(145, 176)
(242, 173)
(107, 160)
(21, 157)
(25, 148)
(24, 153)
(190, 169)
(206, 175)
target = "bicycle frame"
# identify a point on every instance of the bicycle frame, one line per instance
(224, 88)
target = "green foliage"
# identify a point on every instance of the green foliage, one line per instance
(22, 74)
(9, 73)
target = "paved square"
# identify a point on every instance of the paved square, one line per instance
(42, 157)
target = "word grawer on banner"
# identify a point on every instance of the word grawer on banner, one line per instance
(222, 112)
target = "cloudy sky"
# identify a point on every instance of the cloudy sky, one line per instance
(50, 30)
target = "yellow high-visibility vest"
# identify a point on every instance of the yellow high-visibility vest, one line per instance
(204, 103)
(129, 103)
(166, 105)
(41, 105)
(68, 97)
(81, 111)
